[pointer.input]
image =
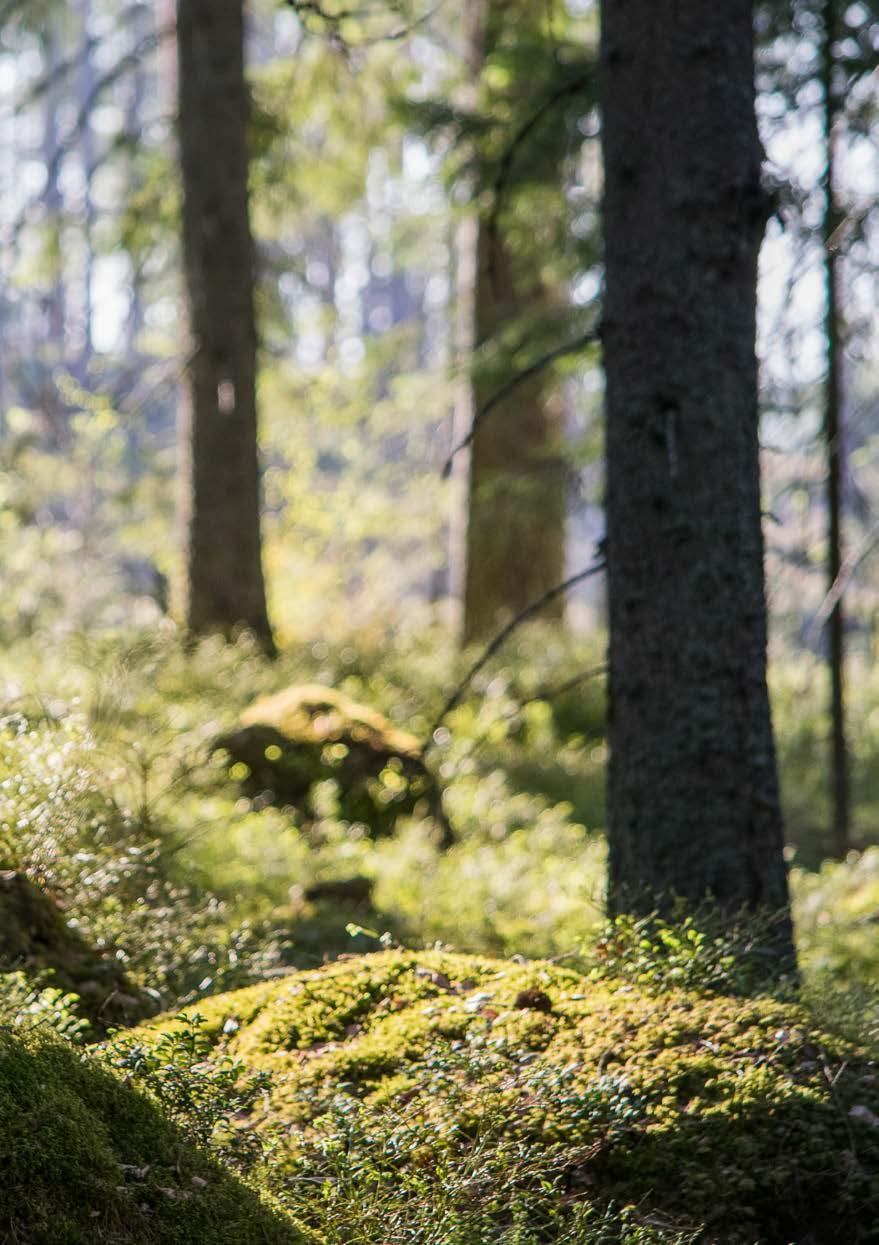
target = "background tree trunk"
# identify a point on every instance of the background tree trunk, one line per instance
(220, 492)
(693, 792)
(516, 493)
(87, 150)
(834, 443)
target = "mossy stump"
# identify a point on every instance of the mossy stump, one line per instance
(432, 1086)
(286, 745)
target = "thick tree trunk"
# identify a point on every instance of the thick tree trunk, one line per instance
(693, 791)
(833, 438)
(516, 494)
(220, 491)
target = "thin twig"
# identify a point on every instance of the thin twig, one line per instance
(505, 164)
(333, 21)
(559, 689)
(512, 384)
(842, 581)
(542, 693)
(501, 638)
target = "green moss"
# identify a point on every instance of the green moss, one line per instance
(725, 1117)
(86, 1160)
(320, 715)
(291, 747)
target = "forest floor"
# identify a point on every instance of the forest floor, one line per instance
(184, 881)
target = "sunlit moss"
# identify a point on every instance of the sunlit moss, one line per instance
(734, 1115)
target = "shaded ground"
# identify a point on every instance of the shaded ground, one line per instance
(35, 938)
(87, 1161)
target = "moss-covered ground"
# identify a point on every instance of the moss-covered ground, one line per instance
(452, 1099)
(86, 1160)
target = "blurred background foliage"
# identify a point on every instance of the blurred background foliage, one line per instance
(370, 147)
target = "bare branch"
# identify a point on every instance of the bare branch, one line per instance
(332, 21)
(501, 638)
(505, 164)
(512, 384)
(559, 689)
(842, 581)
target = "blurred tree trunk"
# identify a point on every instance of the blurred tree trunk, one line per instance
(56, 300)
(693, 791)
(220, 488)
(834, 437)
(141, 24)
(516, 494)
(86, 100)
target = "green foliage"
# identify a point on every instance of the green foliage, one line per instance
(69, 519)
(436, 1097)
(109, 797)
(801, 697)
(837, 909)
(61, 821)
(204, 1097)
(693, 952)
(26, 1002)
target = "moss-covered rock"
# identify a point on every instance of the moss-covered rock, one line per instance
(36, 939)
(287, 744)
(86, 1160)
(458, 1086)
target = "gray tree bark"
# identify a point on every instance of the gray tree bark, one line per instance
(220, 488)
(694, 807)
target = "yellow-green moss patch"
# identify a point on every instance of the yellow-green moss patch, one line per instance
(728, 1117)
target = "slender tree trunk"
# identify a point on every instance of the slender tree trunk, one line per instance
(220, 487)
(141, 25)
(516, 495)
(693, 792)
(56, 306)
(87, 157)
(834, 442)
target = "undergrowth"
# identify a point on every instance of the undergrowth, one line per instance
(111, 799)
